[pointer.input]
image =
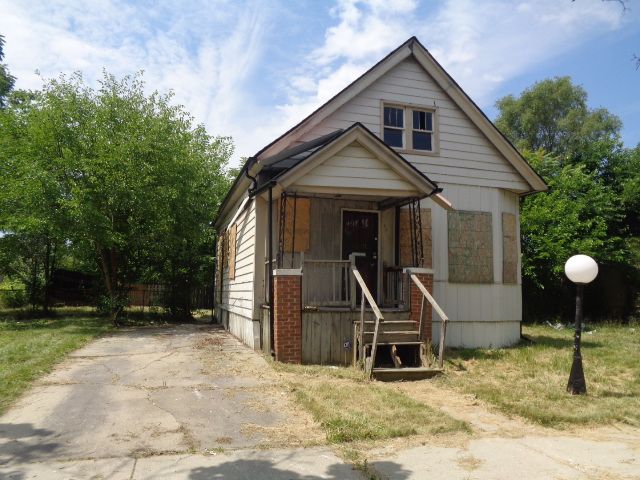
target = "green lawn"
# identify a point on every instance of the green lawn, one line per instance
(531, 380)
(30, 348)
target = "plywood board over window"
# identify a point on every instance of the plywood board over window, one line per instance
(404, 237)
(233, 234)
(509, 249)
(225, 250)
(219, 266)
(300, 241)
(470, 247)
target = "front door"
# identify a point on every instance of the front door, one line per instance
(360, 235)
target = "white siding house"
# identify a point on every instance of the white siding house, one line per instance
(437, 188)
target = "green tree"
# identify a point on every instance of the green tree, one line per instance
(574, 216)
(592, 203)
(132, 183)
(553, 115)
(7, 80)
(29, 217)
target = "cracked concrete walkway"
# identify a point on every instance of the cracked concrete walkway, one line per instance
(180, 402)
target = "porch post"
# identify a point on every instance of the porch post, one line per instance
(287, 311)
(425, 275)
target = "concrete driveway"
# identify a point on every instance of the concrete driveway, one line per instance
(191, 402)
(182, 402)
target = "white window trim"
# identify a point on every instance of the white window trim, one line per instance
(407, 131)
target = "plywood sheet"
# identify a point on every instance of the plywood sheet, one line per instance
(470, 247)
(509, 249)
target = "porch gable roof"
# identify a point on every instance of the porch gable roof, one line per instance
(398, 176)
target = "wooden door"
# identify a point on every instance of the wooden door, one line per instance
(360, 235)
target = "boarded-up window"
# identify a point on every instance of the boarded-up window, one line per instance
(225, 250)
(509, 249)
(233, 231)
(219, 263)
(302, 208)
(470, 247)
(404, 237)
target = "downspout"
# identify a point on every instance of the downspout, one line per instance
(270, 246)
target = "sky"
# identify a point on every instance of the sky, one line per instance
(251, 69)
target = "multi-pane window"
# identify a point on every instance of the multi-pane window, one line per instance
(422, 134)
(394, 127)
(416, 133)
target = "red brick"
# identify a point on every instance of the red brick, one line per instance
(287, 333)
(416, 303)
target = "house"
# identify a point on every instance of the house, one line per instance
(397, 186)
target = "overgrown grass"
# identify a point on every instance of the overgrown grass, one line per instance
(350, 408)
(30, 348)
(370, 412)
(530, 380)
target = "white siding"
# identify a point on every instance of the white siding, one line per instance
(482, 315)
(354, 167)
(238, 294)
(465, 156)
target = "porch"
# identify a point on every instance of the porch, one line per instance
(345, 222)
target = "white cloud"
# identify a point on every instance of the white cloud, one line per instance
(204, 53)
(481, 44)
(208, 52)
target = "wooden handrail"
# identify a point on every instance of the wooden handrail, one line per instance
(376, 311)
(443, 317)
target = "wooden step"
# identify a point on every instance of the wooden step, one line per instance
(405, 374)
(406, 342)
(391, 325)
(392, 336)
(388, 316)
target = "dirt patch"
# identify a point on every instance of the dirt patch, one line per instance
(208, 341)
(249, 379)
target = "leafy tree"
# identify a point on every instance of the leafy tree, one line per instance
(7, 80)
(574, 216)
(127, 178)
(553, 115)
(592, 203)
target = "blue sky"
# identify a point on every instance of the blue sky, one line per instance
(252, 69)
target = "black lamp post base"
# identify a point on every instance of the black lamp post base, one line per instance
(577, 384)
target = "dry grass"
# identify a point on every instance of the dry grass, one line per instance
(530, 380)
(351, 409)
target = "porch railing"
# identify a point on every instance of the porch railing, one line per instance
(327, 283)
(443, 317)
(370, 361)
(395, 287)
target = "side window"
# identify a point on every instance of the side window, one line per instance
(422, 130)
(233, 233)
(394, 127)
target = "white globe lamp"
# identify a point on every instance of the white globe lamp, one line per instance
(580, 269)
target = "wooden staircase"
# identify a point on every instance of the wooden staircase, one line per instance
(400, 353)
(389, 346)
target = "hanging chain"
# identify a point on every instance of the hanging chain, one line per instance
(416, 233)
(281, 228)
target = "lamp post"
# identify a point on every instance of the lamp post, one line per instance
(581, 269)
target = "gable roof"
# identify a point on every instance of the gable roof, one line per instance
(413, 48)
(302, 162)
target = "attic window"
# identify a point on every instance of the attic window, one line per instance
(416, 134)
(394, 126)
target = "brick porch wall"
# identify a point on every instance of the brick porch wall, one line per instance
(287, 316)
(416, 296)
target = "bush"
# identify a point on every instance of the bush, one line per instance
(12, 295)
